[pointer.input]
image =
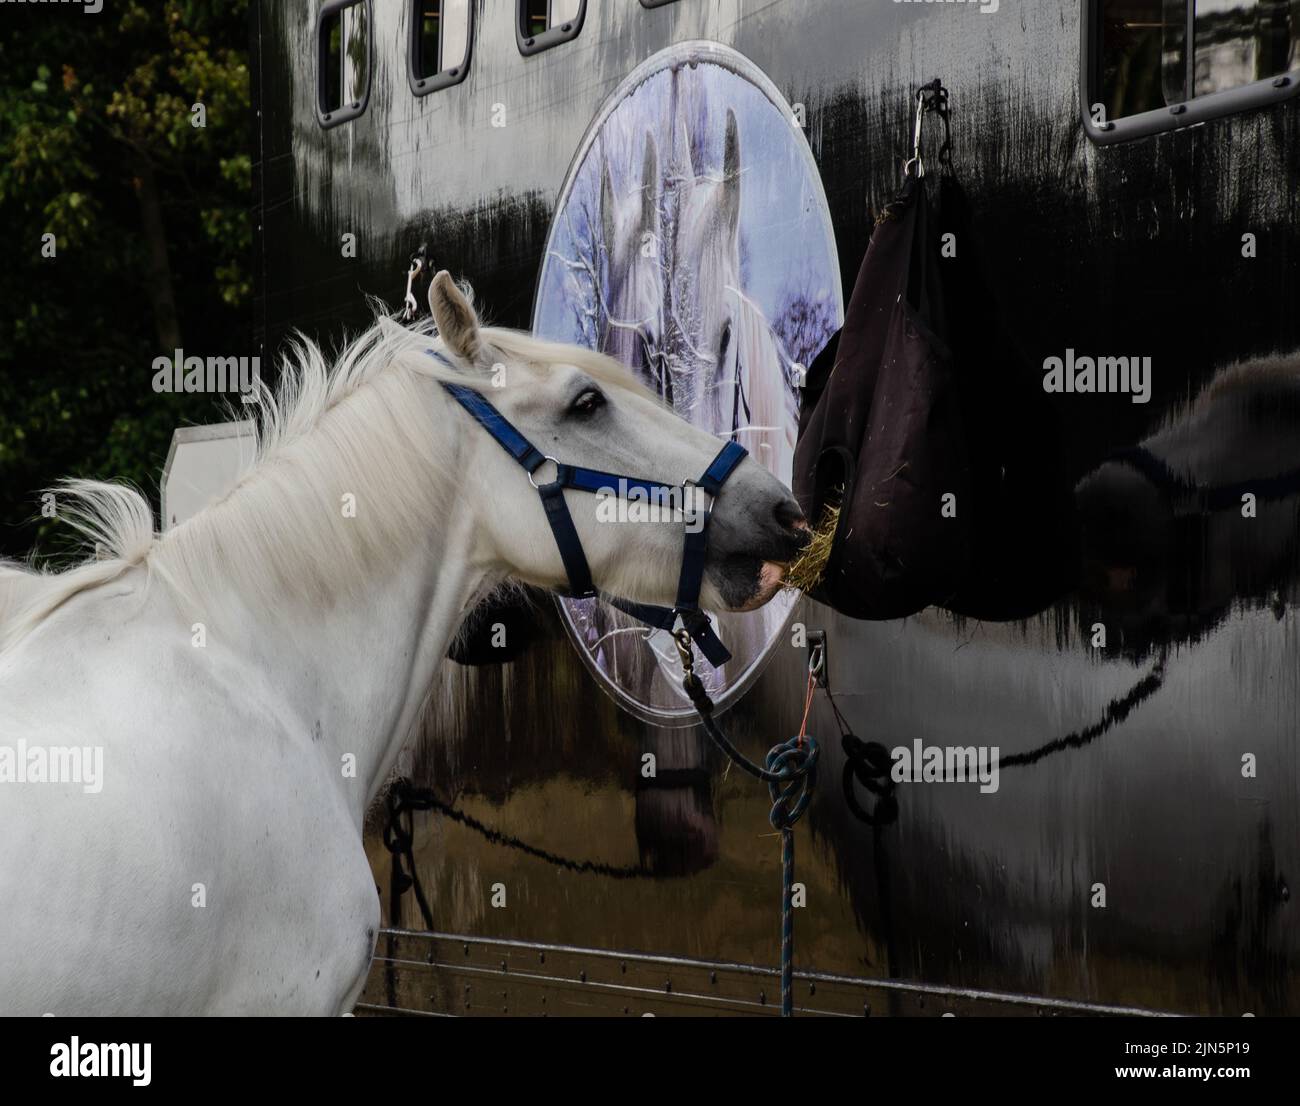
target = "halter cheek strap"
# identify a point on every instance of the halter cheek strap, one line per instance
(691, 577)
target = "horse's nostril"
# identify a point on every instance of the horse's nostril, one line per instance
(788, 515)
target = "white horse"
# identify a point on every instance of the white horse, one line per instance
(250, 676)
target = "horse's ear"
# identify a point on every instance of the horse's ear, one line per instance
(455, 317)
(649, 186)
(608, 216)
(731, 172)
(682, 155)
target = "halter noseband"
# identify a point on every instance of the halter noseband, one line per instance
(691, 578)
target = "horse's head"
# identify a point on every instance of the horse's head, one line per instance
(587, 410)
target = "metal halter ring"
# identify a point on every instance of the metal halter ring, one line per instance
(682, 639)
(706, 506)
(546, 458)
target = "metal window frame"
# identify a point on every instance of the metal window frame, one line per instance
(535, 44)
(1190, 113)
(346, 112)
(444, 78)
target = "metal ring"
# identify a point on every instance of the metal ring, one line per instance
(545, 458)
(817, 661)
(707, 507)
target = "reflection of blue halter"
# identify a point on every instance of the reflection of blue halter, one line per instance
(531, 459)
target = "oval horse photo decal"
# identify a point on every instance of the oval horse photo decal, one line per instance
(691, 241)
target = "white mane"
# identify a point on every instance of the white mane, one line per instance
(365, 428)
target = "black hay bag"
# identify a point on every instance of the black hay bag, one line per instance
(881, 434)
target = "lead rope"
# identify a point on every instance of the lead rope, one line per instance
(790, 772)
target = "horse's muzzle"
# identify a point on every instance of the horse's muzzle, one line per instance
(748, 581)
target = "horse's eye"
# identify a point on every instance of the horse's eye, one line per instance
(588, 403)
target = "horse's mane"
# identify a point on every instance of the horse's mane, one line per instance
(364, 428)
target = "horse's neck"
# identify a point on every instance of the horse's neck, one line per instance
(18, 591)
(10, 583)
(356, 671)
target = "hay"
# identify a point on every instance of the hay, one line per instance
(806, 572)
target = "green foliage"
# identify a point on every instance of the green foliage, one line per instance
(91, 109)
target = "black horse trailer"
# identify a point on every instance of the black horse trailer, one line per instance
(690, 185)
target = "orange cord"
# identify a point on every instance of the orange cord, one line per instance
(807, 706)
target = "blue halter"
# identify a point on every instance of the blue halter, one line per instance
(691, 578)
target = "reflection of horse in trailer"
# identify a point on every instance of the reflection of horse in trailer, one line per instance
(1133, 188)
(1165, 553)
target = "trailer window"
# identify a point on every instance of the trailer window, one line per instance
(1178, 62)
(1239, 41)
(440, 43)
(343, 61)
(1143, 63)
(542, 24)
